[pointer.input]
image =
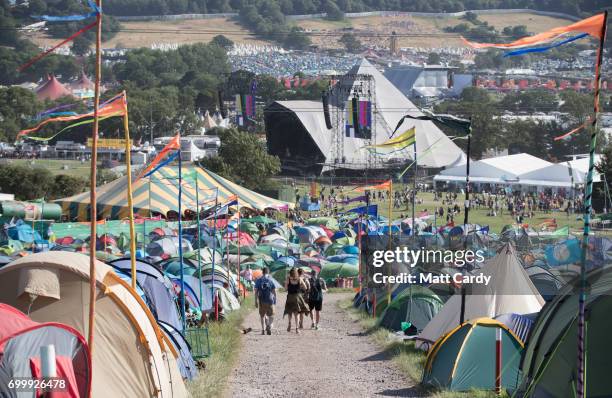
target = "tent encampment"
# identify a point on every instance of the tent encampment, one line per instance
(509, 291)
(132, 357)
(464, 358)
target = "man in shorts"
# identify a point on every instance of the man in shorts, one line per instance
(265, 299)
(315, 298)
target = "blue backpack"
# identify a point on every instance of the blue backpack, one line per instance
(264, 291)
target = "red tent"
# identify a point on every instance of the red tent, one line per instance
(52, 89)
(82, 83)
(21, 340)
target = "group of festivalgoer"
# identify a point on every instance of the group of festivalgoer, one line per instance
(304, 297)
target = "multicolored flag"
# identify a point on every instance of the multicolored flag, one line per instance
(398, 143)
(591, 26)
(173, 145)
(116, 106)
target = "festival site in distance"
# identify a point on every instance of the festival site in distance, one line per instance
(318, 201)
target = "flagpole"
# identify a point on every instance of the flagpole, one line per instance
(581, 382)
(128, 164)
(180, 233)
(390, 236)
(199, 237)
(414, 184)
(238, 275)
(92, 182)
(214, 247)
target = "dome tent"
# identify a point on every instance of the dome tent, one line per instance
(131, 355)
(464, 358)
(20, 342)
(549, 363)
(416, 304)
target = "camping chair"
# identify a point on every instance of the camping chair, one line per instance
(198, 340)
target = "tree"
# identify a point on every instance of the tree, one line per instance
(80, 46)
(433, 59)
(333, 12)
(222, 42)
(17, 107)
(351, 43)
(243, 158)
(297, 39)
(66, 185)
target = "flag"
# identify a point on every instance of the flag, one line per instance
(174, 144)
(116, 106)
(400, 142)
(591, 26)
(382, 186)
(361, 198)
(95, 10)
(371, 210)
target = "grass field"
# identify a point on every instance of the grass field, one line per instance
(476, 216)
(69, 167)
(148, 33)
(225, 345)
(419, 25)
(406, 357)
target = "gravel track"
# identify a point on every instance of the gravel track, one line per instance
(338, 360)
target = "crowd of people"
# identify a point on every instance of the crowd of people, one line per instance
(283, 64)
(304, 298)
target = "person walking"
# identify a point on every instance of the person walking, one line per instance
(304, 291)
(295, 304)
(265, 300)
(315, 298)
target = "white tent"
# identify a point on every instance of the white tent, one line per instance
(509, 291)
(521, 169)
(434, 148)
(558, 174)
(498, 170)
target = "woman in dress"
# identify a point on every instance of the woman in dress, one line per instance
(295, 304)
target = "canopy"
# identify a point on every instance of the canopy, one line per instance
(52, 89)
(159, 194)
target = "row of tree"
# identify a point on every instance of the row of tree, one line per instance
(300, 7)
(530, 135)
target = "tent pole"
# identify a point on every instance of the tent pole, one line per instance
(128, 165)
(92, 182)
(588, 192)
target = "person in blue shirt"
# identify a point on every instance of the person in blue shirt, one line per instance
(265, 300)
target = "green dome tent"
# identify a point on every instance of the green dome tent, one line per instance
(415, 304)
(549, 366)
(464, 358)
(330, 271)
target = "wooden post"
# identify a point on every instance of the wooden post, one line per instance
(92, 193)
(128, 164)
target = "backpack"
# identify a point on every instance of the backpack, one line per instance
(316, 292)
(264, 292)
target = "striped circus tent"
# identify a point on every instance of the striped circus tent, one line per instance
(158, 194)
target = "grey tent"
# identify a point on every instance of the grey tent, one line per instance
(158, 289)
(187, 365)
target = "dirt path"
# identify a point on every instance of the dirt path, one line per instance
(338, 360)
